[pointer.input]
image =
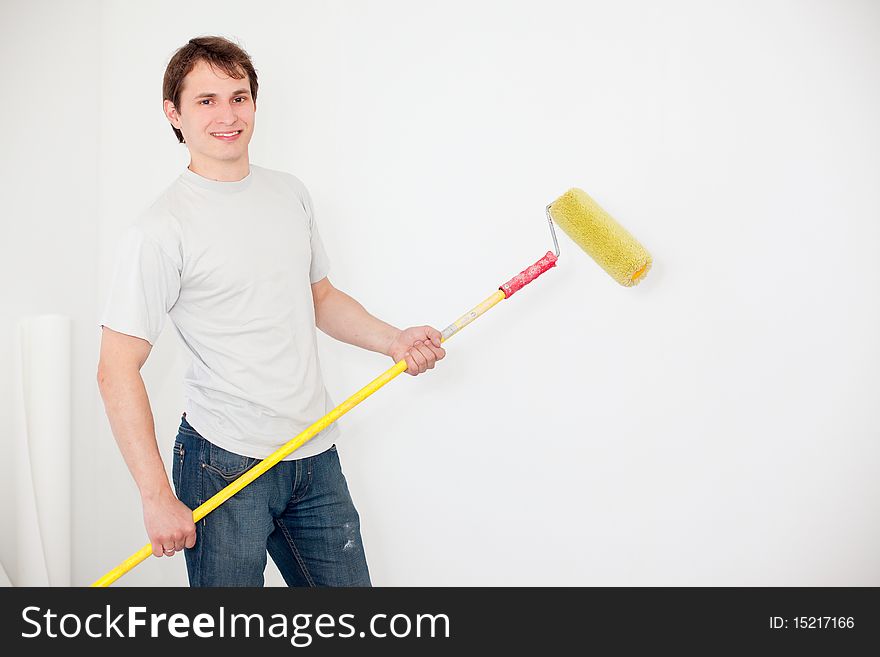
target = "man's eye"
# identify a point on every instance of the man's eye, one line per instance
(202, 102)
(241, 98)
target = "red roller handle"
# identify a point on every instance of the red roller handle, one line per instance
(528, 274)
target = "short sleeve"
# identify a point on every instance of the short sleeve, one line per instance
(144, 287)
(320, 265)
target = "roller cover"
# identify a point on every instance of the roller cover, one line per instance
(605, 240)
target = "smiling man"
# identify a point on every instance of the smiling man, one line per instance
(232, 254)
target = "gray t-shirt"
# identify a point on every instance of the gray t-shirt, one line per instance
(232, 263)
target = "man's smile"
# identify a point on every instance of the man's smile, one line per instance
(227, 136)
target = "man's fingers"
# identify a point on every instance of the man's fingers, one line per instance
(432, 353)
(171, 545)
(163, 546)
(428, 354)
(434, 336)
(425, 350)
(419, 357)
(411, 367)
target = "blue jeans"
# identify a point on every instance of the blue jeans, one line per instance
(299, 511)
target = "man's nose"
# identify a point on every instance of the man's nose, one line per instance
(226, 114)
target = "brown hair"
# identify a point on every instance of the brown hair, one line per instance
(216, 51)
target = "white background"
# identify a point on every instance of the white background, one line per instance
(716, 425)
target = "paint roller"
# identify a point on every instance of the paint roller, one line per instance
(583, 220)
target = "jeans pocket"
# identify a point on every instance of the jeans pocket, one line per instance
(177, 465)
(227, 464)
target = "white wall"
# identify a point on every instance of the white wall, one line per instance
(717, 425)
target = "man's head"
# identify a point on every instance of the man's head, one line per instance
(210, 89)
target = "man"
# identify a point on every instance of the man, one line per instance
(231, 252)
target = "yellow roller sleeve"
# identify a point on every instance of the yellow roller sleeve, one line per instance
(606, 241)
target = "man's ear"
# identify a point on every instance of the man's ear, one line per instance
(171, 113)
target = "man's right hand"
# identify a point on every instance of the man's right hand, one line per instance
(169, 524)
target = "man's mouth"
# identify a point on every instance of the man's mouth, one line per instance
(226, 136)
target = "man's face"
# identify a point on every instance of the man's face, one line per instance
(213, 105)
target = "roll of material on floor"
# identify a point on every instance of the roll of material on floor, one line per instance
(42, 434)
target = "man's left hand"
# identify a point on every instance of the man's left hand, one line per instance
(420, 346)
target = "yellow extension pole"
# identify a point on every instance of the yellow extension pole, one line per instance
(298, 441)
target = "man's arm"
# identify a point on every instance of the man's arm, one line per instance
(168, 521)
(343, 318)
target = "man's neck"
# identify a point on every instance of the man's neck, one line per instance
(221, 171)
